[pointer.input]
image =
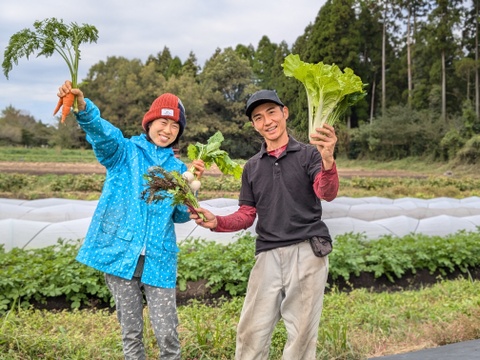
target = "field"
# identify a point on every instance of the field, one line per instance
(40, 168)
(365, 316)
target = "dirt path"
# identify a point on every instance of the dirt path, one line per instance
(39, 168)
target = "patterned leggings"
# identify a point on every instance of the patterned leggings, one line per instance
(162, 310)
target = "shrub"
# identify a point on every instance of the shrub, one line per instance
(470, 153)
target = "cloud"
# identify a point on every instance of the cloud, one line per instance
(137, 30)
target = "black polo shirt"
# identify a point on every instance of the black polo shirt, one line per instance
(282, 192)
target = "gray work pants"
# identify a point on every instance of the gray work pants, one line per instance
(288, 283)
(162, 313)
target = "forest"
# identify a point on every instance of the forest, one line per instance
(418, 60)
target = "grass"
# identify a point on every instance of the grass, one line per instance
(355, 325)
(411, 165)
(21, 154)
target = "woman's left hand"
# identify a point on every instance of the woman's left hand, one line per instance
(199, 167)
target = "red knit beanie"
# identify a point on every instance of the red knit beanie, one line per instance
(166, 106)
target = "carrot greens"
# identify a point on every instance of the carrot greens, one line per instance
(162, 185)
(50, 36)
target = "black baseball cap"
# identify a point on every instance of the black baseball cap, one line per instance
(261, 97)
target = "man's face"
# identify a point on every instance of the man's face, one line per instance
(270, 120)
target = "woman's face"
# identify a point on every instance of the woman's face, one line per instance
(163, 132)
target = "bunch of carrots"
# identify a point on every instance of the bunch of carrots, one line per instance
(49, 36)
(67, 102)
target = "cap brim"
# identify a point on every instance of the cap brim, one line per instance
(259, 102)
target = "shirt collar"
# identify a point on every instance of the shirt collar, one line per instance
(292, 145)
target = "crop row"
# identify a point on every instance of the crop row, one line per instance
(35, 275)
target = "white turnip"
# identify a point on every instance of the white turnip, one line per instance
(187, 175)
(195, 185)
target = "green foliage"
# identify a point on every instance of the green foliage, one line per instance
(89, 186)
(220, 183)
(470, 153)
(424, 187)
(80, 182)
(34, 275)
(225, 267)
(50, 35)
(451, 143)
(330, 91)
(211, 154)
(399, 134)
(209, 331)
(86, 186)
(14, 182)
(393, 257)
(19, 128)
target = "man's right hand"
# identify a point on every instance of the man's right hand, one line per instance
(209, 223)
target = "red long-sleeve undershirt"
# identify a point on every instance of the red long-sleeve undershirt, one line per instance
(325, 186)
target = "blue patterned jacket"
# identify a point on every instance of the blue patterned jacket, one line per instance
(123, 225)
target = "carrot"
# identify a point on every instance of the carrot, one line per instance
(67, 102)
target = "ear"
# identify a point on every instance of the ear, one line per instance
(285, 112)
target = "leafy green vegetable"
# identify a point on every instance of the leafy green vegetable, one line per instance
(211, 153)
(162, 184)
(330, 92)
(49, 36)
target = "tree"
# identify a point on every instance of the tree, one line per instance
(412, 11)
(465, 68)
(193, 98)
(190, 66)
(20, 128)
(123, 90)
(443, 23)
(227, 80)
(333, 38)
(470, 35)
(263, 63)
(246, 52)
(165, 64)
(69, 135)
(370, 25)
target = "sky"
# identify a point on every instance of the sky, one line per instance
(135, 30)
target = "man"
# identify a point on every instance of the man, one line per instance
(283, 185)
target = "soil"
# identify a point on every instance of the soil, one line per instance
(39, 168)
(197, 290)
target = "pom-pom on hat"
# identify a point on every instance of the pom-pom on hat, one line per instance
(166, 106)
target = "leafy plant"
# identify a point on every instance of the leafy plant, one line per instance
(49, 36)
(330, 92)
(211, 153)
(34, 275)
(162, 185)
